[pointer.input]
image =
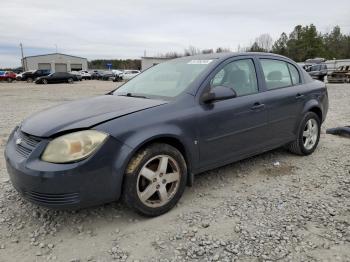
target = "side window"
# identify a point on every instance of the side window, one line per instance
(276, 73)
(294, 73)
(239, 75)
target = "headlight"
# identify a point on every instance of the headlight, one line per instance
(73, 147)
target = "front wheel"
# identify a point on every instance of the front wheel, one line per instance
(70, 80)
(308, 135)
(155, 180)
(44, 81)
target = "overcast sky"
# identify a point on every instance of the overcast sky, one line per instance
(124, 29)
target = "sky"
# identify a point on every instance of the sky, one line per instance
(112, 29)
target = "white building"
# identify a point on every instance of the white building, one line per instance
(55, 62)
(147, 62)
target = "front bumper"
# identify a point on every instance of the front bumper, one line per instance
(89, 182)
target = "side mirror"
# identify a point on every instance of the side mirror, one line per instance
(218, 93)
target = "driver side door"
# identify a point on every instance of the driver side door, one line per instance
(234, 128)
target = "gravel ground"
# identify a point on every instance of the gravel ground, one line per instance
(275, 206)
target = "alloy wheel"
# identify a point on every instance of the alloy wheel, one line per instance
(310, 134)
(158, 181)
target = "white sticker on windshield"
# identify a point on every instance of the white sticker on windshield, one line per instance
(199, 62)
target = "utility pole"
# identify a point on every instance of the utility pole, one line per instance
(20, 44)
(56, 48)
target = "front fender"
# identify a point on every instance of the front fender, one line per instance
(139, 139)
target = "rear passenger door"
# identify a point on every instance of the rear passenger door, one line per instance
(285, 96)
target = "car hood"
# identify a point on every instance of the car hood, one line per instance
(84, 113)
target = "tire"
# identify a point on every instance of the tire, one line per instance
(70, 80)
(300, 145)
(9, 80)
(165, 194)
(44, 81)
(29, 80)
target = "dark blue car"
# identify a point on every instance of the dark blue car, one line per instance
(147, 139)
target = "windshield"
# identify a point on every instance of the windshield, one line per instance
(166, 80)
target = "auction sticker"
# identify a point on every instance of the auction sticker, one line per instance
(199, 62)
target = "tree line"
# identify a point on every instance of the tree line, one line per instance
(302, 43)
(306, 42)
(116, 63)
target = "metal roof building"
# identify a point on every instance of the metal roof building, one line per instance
(55, 62)
(147, 61)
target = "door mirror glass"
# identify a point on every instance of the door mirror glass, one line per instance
(218, 93)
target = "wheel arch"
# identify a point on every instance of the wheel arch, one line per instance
(169, 139)
(314, 106)
(317, 110)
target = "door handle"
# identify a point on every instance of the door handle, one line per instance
(299, 96)
(257, 106)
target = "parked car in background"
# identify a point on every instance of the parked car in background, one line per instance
(85, 75)
(96, 74)
(19, 76)
(117, 75)
(2, 73)
(77, 74)
(31, 76)
(107, 75)
(128, 74)
(317, 71)
(56, 78)
(340, 75)
(8, 76)
(146, 140)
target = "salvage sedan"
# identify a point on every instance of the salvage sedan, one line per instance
(55, 78)
(146, 140)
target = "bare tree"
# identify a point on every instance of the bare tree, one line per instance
(264, 41)
(191, 50)
(207, 51)
(222, 50)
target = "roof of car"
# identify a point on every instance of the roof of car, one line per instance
(228, 54)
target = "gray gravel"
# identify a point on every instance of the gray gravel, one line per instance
(253, 210)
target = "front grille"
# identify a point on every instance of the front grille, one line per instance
(27, 143)
(52, 199)
(28, 139)
(23, 151)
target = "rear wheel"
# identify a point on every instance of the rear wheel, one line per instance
(9, 80)
(70, 80)
(155, 180)
(308, 135)
(44, 81)
(29, 80)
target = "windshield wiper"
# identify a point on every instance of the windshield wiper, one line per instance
(134, 95)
